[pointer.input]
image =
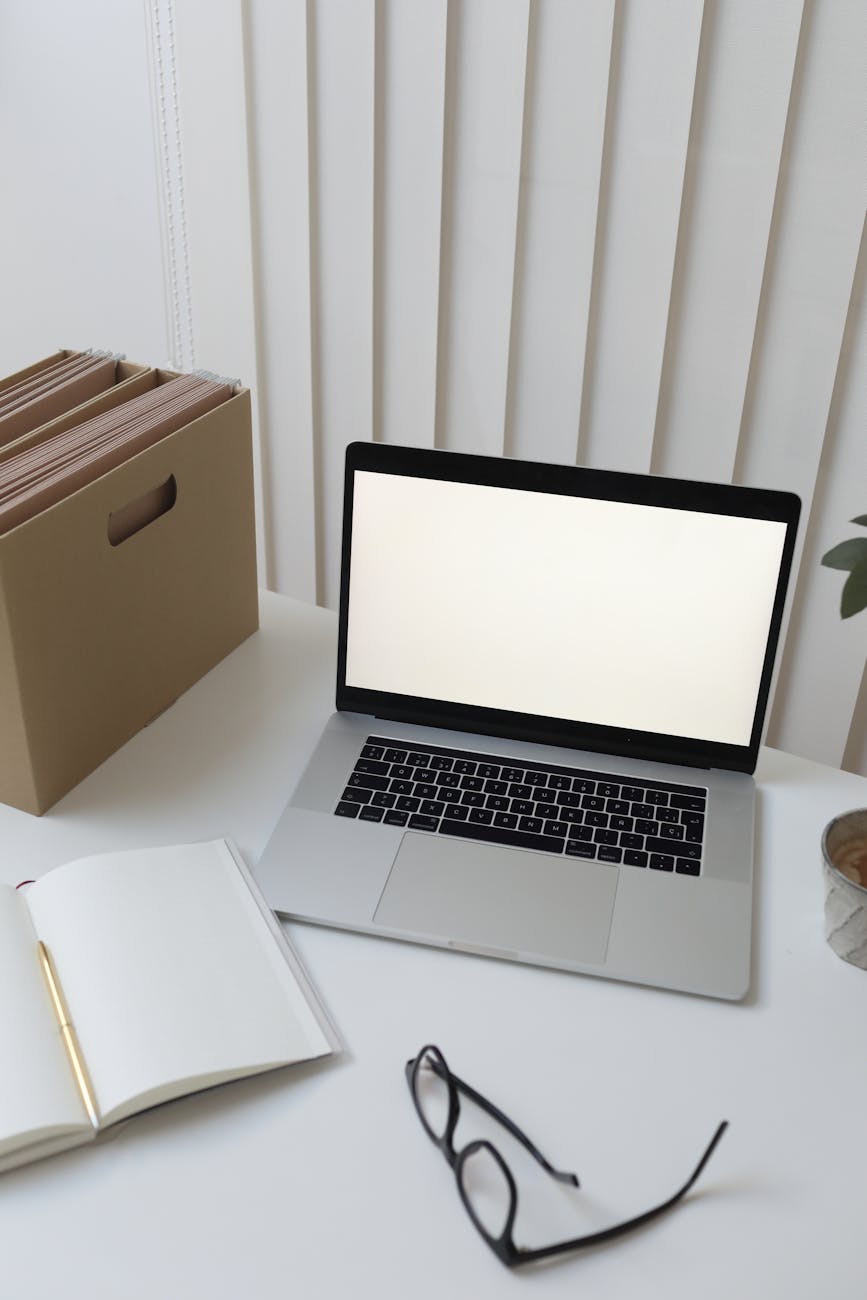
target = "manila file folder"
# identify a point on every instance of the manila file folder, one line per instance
(115, 599)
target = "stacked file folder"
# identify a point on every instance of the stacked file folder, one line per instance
(127, 556)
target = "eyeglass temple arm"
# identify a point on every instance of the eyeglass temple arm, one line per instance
(561, 1175)
(595, 1238)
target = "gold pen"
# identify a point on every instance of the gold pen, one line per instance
(69, 1037)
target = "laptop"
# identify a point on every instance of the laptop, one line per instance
(551, 688)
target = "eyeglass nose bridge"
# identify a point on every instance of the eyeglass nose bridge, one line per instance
(504, 1239)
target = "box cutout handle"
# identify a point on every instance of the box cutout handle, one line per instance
(137, 514)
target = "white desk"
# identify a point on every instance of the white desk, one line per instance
(320, 1182)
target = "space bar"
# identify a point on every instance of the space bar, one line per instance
(499, 835)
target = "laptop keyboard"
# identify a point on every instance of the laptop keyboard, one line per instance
(638, 823)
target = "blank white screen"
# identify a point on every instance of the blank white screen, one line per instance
(605, 612)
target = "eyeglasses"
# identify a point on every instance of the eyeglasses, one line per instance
(485, 1182)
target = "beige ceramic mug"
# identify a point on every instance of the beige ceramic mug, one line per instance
(844, 867)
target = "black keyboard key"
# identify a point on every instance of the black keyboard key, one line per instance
(545, 796)
(581, 833)
(695, 834)
(498, 802)
(642, 810)
(608, 790)
(440, 763)
(356, 796)
(496, 787)
(608, 853)
(571, 815)
(383, 800)
(499, 835)
(634, 858)
(667, 815)
(596, 818)
(448, 779)
(472, 783)
(535, 778)
(523, 807)
(605, 837)
(373, 766)
(464, 766)
(668, 832)
(691, 802)
(620, 806)
(633, 793)
(449, 795)
(421, 822)
(558, 782)
(424, 791)
(424, 774)
(456, 812)
(593, 801)
(402, 787)
(532, 824)
(512, 774)
(432, 807)
(488, 770)
(557, 828)
(629, 841)
(620, 823)
(407, 804)
(692, 819)
(401, 772)
(394, 818)
(643, 827)
(582, 786)
(482, 816)
(657, 797)
(372, 751)
(661, 862)
(394, 755)
(473, 798)
(418, 760)
(509, 820)
(344, 809)
(567, 800)
(655, 844)
(371, 814)
(578, 849)
(519, 791)
(363, 780)
(684, 867)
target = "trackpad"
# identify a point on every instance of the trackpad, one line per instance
(487, 897)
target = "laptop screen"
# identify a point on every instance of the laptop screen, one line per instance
(607, 613)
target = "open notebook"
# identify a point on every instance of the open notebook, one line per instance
(175, 977)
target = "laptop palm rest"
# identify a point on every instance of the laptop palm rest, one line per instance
(501, 900)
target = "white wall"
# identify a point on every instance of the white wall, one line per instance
(613, 232)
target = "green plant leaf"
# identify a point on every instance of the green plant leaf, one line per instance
(846, 555)
(854, 597)
(862, 520)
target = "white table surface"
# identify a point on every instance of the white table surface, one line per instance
(320, 1181)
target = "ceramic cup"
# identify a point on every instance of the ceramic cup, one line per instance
(844, 867)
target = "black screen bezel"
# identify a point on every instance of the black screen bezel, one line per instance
(605, 485)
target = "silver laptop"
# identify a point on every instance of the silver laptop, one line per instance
(551, 689)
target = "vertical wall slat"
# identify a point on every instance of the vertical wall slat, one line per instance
(410, 89)
(819, 638)
(746, 69)
(488, 55)
(209, 41)
(651, 103)
(342, 210)
(567, 86)
(278, 89)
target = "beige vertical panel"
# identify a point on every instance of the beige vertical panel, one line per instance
(650, 105)
(342, 213)
(277, 94)
(209, 41)
(567, 86)
(823, 663)
(811, 265)
(410, 105)
(487, 53)
(742, 97)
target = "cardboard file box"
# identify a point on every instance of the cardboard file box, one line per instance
(102, 628)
